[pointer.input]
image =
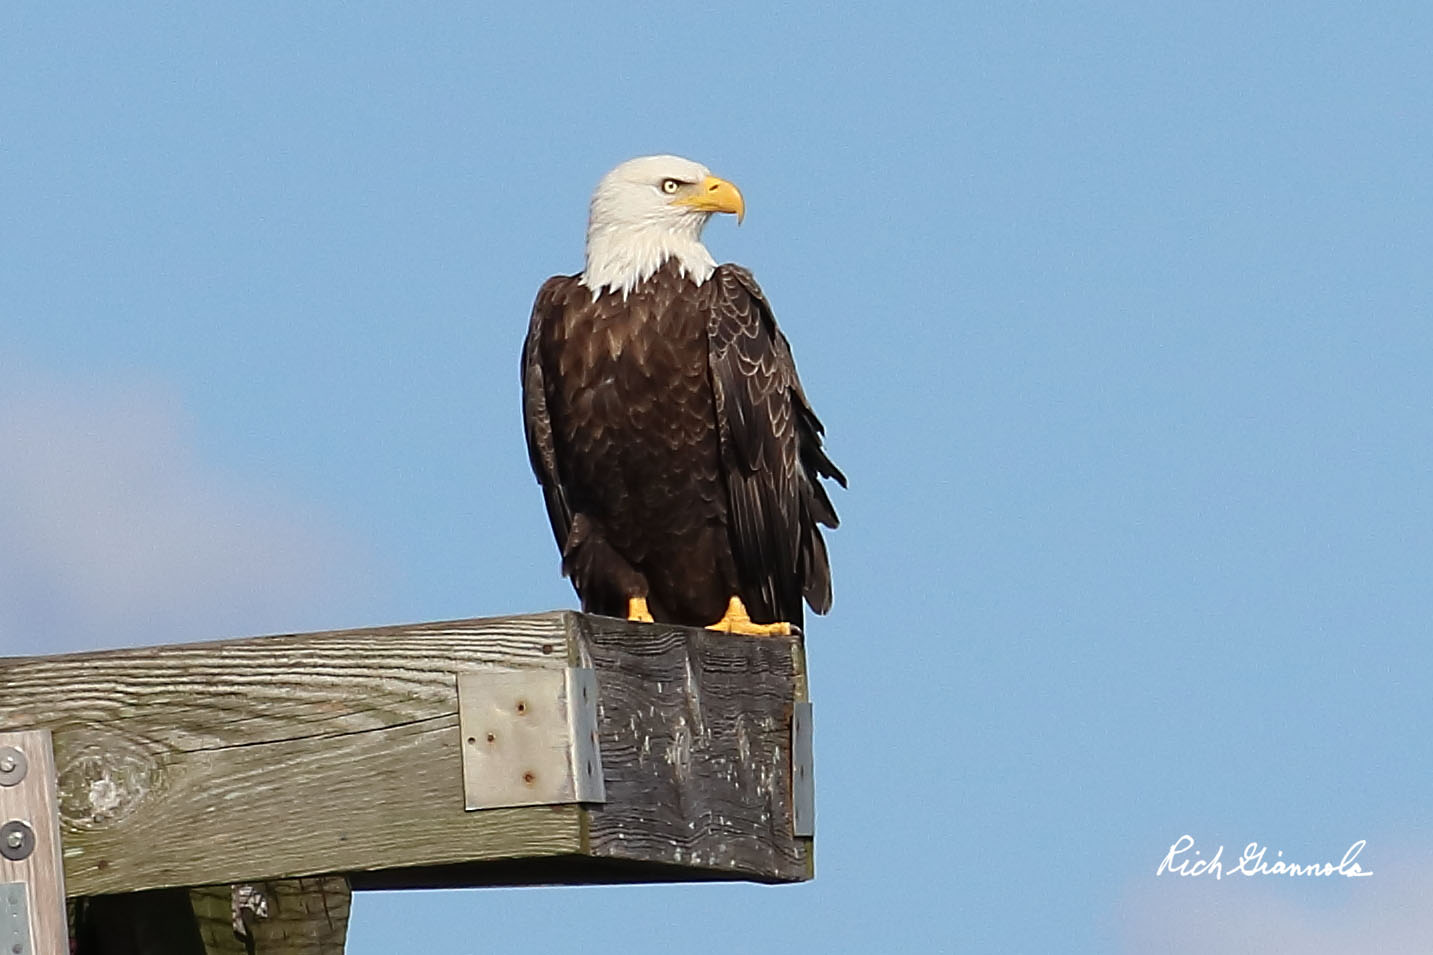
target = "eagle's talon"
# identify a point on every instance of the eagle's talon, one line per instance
(737, 620)
(637, 610)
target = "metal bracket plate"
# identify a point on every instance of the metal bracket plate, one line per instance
(529, 737)
(14, 918)
(803, 785)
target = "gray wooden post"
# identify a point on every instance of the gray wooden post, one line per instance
(32, 882)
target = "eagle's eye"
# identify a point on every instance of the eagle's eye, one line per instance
(670, 186)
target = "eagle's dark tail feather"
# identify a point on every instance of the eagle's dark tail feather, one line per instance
(817, 507)
(816, 570)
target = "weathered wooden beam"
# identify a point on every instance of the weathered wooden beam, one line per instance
(339, 753)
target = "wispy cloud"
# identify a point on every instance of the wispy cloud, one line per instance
(114, 531)
(1388, 912)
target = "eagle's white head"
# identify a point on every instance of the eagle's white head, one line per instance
(648, 210)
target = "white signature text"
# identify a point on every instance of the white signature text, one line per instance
(1184, 860)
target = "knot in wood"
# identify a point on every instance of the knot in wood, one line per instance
(103, 782)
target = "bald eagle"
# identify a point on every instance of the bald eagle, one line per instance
(679, 458)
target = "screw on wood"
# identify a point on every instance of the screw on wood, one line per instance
(13, 766)
(17, 840)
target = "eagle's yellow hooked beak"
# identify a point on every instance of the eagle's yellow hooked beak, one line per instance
(714, 195)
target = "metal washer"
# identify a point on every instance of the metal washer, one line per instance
(22, 846)
(17, 763)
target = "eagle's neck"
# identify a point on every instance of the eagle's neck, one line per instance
(622, 259)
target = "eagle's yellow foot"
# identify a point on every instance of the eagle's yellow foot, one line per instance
(637, 610)
(738, 621)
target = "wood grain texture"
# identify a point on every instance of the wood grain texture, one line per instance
(304, 917)
(695, 731)
(339, 753)
(282, 756)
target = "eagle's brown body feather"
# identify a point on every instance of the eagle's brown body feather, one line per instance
(677, 453)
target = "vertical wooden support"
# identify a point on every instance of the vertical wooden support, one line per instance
(292, 917)
(31, 878)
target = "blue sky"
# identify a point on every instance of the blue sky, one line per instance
(1118, 316)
